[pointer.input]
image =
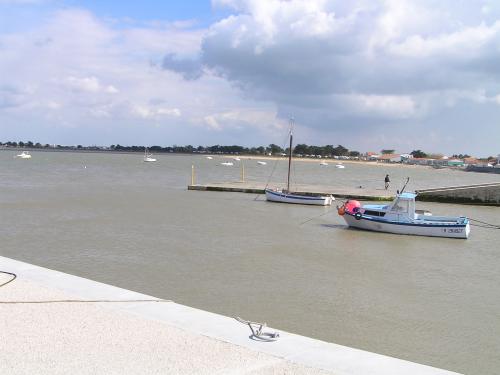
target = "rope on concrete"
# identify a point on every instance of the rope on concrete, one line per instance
(82, 301)
(14, 276)
(257, 329)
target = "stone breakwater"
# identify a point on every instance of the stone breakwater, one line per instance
(487, 194)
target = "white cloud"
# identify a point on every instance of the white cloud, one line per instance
(341, 68)
(373, 64)
(90, 84)
(263, 120)
(76, 71)
(154, 113)
(399, 107)
(452, 45)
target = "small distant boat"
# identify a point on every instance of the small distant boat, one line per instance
(261, 162)
(147, 156)
(340, 166)
(287, 196)
(324, 163)
(227, 163)
(24, 155)
(209, 157)
(400, 217)
(237, 159)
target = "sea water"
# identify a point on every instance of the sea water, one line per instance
(115, 219)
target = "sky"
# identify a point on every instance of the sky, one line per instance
(366, 74)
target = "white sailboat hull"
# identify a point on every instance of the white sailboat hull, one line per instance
(23, 155)
(432, 229)
(279, 196)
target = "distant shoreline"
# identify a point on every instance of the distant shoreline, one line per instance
(225, 156)
(330, 161)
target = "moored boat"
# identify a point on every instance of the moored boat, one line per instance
(287, 196)
(24, 155)
(148, 157)
(400, 217)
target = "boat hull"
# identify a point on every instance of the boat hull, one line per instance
(278, 196)
(420, 229)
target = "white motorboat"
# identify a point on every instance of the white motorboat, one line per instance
(287, 196)
(227, 163)
(261, 162)
(147, 156)
(24, 155)
(400, 217)
(209, 157)
(323, 163)
(340, 166)
(237, 159)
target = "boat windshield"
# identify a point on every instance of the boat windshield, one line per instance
(400, 206)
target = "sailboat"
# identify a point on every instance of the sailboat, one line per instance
(147, 156)
(24, 155)
(287, 196)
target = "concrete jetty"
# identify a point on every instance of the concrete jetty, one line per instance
(56, 323)
(259, 187)
(483, 194)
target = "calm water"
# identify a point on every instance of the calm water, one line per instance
(115, 219)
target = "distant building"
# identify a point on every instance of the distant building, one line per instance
(471, 161)
(371, 156)
(421, 161)
(389, 158)
(455, 163)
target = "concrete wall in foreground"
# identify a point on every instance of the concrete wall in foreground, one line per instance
(478, 194)
(305, 351)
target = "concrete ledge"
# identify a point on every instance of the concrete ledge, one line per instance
(298, 349)
(479, 194)
(242, 187)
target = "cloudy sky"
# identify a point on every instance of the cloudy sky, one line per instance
(363, 73)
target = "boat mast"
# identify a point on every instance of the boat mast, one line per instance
(289, 156)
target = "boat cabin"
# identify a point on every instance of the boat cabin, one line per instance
(401, 209)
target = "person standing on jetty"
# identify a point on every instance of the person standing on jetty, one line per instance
(387, 181)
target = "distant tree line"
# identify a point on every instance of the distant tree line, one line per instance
(273, 149)
(30, 144)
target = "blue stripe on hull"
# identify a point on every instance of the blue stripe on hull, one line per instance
(411, 224)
